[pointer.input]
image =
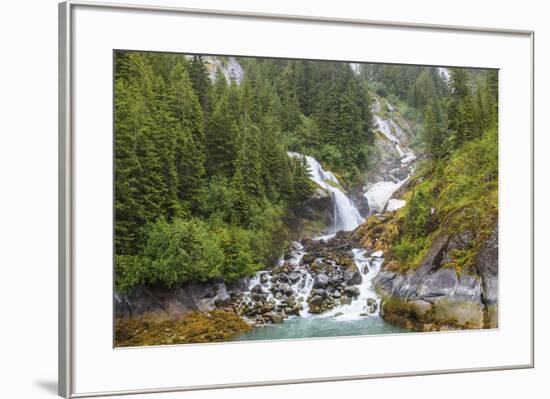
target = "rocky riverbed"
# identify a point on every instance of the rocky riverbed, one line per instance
(317, 276)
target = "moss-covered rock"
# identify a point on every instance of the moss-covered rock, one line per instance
(197, 327)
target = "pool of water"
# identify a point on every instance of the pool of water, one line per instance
(320, 326)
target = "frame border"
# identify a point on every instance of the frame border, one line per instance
(66, 190)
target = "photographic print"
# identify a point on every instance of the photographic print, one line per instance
(266, 199)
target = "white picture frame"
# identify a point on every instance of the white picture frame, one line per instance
(89, 32)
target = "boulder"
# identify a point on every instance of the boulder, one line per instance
(352, 291)
(353, 278)
(320, 292)
(321, 281)
(286, 289)
(257, 289)
(275, 317)
(222, 298)
(294, 276)
(345, 300)
(264, 278)
(315, 300)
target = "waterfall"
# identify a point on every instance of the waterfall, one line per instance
(346, 215)
(231, 69)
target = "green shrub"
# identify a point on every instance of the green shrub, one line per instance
(406, 250)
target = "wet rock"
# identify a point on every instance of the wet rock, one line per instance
(257, 289)
(345, 300)
(336, 294)
(321, 281)
(286, 289)
(353, 278)
(352, 291)
(275, 317)
(316, 300)
(297, 306)
(320, 292)
(294, 276)
(257, 296)
(282, 278)
(335, 279)
(264, 278)
(313, 309)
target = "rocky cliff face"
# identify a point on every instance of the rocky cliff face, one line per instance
(437, 295)
(173, 303)
(314, 215)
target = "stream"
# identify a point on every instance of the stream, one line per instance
(296, 298)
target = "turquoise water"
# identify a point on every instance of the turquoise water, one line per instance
(319, 326)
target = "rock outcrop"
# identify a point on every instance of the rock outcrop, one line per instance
(438, 295)
(177, 302)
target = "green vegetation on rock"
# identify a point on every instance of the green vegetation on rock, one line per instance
(455, 188)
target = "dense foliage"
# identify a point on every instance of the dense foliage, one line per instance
(203, 181)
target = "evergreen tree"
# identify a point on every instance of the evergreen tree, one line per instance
(221, 137)
(198, 75)
(189, 132)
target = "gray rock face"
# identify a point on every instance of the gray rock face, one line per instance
(222, 298)
(318, 207)
(435, 286)
(487, 267)
(441, 283)
(174, 302)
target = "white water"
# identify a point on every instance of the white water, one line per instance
(231, 69)
(359, 306)
(393, 132)
(387, 127)
(346, 215)
(445, 73)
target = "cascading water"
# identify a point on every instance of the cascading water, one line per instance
(368, 302)
(346, 215)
